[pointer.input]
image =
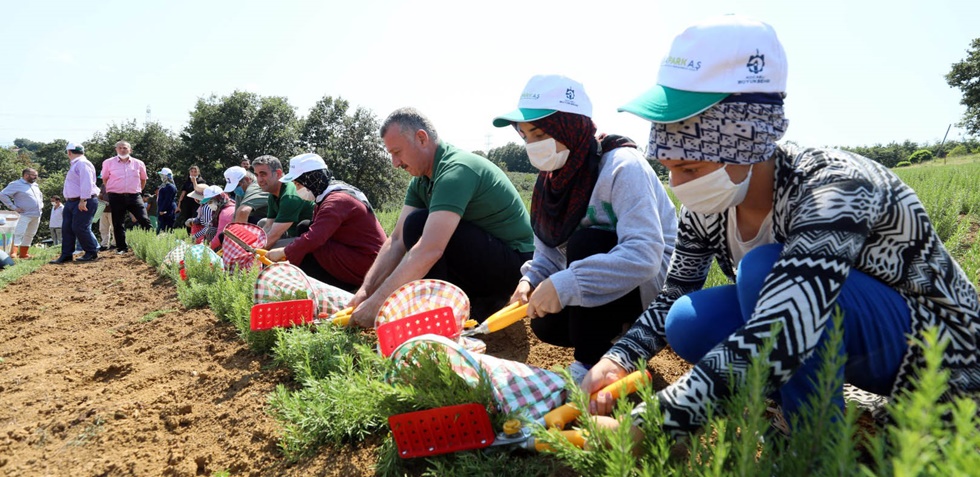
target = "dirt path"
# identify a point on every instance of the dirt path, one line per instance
(102, 372)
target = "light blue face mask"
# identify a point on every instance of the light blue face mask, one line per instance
(239, 191)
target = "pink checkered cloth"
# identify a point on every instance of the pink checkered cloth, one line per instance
(280, 279)
(518, 387)
(423, 295)
(233, 255)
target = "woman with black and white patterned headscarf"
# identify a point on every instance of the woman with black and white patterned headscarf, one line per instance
(801, 232)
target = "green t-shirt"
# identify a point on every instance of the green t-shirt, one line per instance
(289, 207)
(478, 191)
(254, 197)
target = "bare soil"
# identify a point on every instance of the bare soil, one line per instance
(103, 372)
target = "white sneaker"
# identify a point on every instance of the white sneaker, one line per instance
(578, 371)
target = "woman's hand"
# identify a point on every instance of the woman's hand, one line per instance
(276, 254)
(604, 373)
(522, 292)
(544, 300)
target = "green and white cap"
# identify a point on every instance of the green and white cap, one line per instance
(545, 95)
(709, 61)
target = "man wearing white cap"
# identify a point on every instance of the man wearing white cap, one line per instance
(166, 201)
(124, 177)
(251, 201)
(81, 196)
(24, 197)
(344, 237)
(800, 232)
(286, 207)
(463, 221)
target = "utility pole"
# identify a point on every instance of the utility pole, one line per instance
(147, 115)
(944, 142)
(488, 144)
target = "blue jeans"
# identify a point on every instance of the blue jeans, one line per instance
(876, 322)
(77, 225)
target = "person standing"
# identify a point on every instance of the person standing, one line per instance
(81, 195)
(24, 197)
(105, 221)
(54, 222)
(125, 178)
(462, 221)
(186, 206)
(166, 201)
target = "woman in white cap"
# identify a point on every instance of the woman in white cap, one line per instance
(801, 232)
(166, 201)
(603, 224)
(344, 237)
(223, 213)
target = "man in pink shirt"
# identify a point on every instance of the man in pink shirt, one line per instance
(124, 178)
(81, 203)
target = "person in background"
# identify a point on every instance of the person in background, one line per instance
(105, 221)
(150, 207)
(344, 237)
(125, 178)
(802, 233)
(81, 195)
(286, 208)
(199, 225)
(224, 211)
(245, 164)
(252, 202)
(54, 221)
(463, 221)
(24, 197)
(604, 227)
(166, 201)
(186, 206)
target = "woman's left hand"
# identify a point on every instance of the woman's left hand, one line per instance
(544, 300)
(276, 254)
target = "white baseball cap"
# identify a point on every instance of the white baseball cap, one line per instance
(211, 191)
(545, 95)
(75, 147)
(302, 164)
(724, 55)
(233, 175)
(166, 172)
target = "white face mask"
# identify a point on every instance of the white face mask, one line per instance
(544, 154)
(712, 193)
(124, 156)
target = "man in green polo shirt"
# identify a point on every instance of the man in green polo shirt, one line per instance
(286, 208)
(463, 221)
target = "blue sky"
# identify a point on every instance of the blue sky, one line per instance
(860, 72)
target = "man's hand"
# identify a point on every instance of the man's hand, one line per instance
(178, 210)
(82, 205)
(604, 373)
(544, 300)
(365, 313)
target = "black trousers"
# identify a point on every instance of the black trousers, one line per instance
(122, 204)
(474, 260)
(313, 270)
(589, 330)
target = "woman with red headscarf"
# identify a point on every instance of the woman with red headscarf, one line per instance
(603, 224)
